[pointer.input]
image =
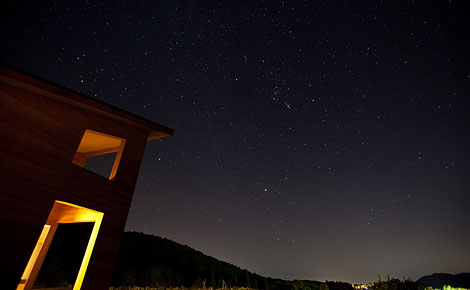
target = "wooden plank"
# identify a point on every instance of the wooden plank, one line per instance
(61, 94)
(40, 137)
(117, 160)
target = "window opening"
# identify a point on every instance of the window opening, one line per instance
(100, 153)
(101, 164)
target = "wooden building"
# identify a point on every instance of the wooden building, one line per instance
(47, 134)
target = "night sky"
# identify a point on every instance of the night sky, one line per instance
(322, 140)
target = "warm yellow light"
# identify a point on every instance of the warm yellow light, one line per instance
(34, 256)
(89, 250)
(95, 143)
(61, 213)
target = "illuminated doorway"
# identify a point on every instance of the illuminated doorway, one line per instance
(64, 256)
(61, 213)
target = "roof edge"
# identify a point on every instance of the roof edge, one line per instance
(59, 93)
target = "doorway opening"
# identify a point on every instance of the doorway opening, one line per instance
(65, 254)
(61, 213)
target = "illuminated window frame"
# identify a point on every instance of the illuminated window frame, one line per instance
(61, 213)
(95, 143)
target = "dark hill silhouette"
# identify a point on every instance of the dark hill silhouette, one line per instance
(146, 260)
(437, 280)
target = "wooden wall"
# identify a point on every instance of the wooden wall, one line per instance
(39, 138)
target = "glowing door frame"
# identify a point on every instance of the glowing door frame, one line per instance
(61, 213)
